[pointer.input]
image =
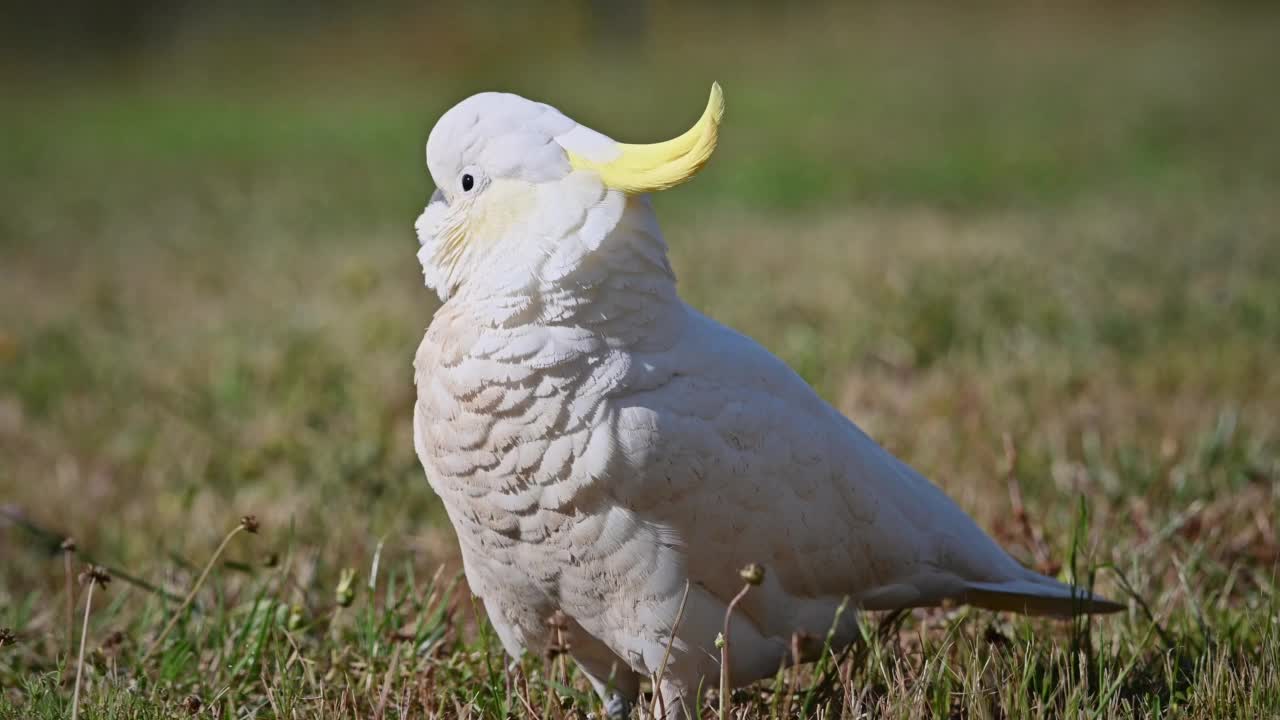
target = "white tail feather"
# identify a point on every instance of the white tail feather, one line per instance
(1037, 595)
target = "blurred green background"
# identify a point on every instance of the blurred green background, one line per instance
(1056, 223)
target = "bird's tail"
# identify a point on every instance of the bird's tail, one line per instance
(1035, 594)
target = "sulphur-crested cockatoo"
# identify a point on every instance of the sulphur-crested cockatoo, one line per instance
(600, 446)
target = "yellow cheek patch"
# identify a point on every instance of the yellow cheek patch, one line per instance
(453, 240)
(650, 168)
(504, 205)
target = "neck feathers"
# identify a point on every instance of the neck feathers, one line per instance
(610, 272)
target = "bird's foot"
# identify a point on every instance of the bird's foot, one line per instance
(617, 707)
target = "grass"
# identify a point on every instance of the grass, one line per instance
(1032, 252)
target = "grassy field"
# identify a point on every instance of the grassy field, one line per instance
(1035, 254)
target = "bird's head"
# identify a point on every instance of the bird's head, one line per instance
(519, 184)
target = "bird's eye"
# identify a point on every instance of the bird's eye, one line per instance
(467, 182)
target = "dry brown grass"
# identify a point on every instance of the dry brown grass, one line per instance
(1058, 229)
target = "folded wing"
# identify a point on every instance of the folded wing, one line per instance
(734, 454)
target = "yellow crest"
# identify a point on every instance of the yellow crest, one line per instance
(649, 168)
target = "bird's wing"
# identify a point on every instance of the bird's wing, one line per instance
(738, 458)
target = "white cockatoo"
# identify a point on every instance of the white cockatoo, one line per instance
(611, 457)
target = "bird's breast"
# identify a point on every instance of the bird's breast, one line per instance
(512, 426)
